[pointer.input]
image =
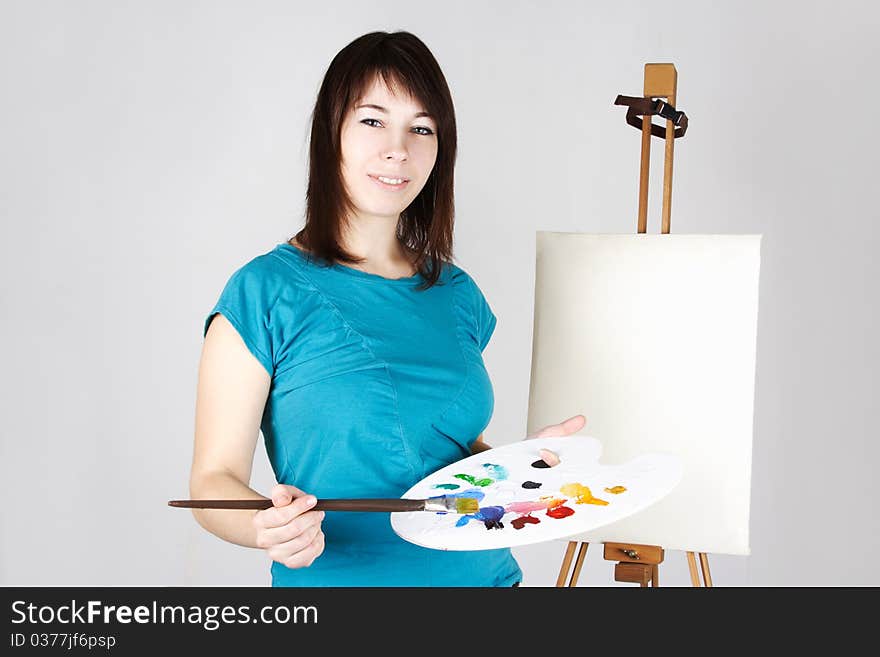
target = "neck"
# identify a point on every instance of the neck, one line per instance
(375, 240)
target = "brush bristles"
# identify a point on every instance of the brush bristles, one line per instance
(466, 505)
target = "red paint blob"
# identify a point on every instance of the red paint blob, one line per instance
(519, 523)
(561, 511)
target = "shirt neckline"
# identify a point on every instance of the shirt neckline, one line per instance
(351, 271)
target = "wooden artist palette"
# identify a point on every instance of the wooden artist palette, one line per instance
(522, 504)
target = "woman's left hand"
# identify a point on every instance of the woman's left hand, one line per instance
(564, 428)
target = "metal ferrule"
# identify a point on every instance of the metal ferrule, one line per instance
(438, 504)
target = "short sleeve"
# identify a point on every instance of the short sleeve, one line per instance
(474, 313)
(246, 301)
(486, 319)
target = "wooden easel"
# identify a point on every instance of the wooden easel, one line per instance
(641, 563)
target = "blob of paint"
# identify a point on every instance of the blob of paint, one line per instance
(582, 493)
(447, 486)
(498, 472)
(540, 463)
(525, 507)
(474, 481)
(489, 515)
(551, 501)
(531, 484)
(519, 523)
(476, 493)
(560, 512)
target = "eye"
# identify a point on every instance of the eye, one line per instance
(427, 132)
(374, 121)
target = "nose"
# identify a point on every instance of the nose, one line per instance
(399, 155)
(396, 150)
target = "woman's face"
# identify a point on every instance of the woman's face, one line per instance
(386, 135)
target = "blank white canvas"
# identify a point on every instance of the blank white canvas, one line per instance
(653, 338)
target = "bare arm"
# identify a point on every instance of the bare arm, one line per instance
(232, 390)
(479, 445)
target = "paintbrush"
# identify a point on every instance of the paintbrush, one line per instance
(438, 504)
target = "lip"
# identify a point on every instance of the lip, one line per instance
(391, 188)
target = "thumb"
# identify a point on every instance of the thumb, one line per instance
(282, 495)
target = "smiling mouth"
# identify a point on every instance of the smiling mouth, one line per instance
(389, 183)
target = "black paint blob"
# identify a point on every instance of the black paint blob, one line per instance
(540, 463)
(531, 484)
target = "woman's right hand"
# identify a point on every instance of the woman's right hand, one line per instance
(288, 531)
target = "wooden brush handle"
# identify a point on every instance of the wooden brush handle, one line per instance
(391, 504)
(379, 504)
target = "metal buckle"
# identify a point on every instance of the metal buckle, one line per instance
(667, 111)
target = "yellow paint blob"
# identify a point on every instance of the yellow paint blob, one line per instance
(582, 494)
(617, 490)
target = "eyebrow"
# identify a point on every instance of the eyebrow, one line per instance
(382, 109)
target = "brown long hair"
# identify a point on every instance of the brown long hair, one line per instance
(425, 227)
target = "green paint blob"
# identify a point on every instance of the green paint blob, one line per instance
(447, 486)
(474, 481)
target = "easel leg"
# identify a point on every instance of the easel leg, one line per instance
(566, 563)
(704, 565)
(692, 565)
(578, 564)
(655, 575)
(704, 562)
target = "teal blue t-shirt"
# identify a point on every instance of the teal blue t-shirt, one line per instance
(375, 385)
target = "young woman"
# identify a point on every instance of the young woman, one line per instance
(356, 345)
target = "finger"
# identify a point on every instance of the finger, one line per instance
(564, 428)
(276, 535)
(316, 548)
(283, 552)
(306, 557)
(550, 458)
(574, 424)
(279, 516)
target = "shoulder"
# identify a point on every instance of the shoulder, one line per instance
(255, 287)
(459, 278)
(456, 275)
(265, 265)
(268, 271)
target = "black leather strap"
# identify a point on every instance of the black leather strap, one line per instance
(639, 107)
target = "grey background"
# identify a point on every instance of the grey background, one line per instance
(147, 149)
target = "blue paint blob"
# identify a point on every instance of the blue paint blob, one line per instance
(488, 515)
(499, 472)
(475, 493)
(491, 516)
